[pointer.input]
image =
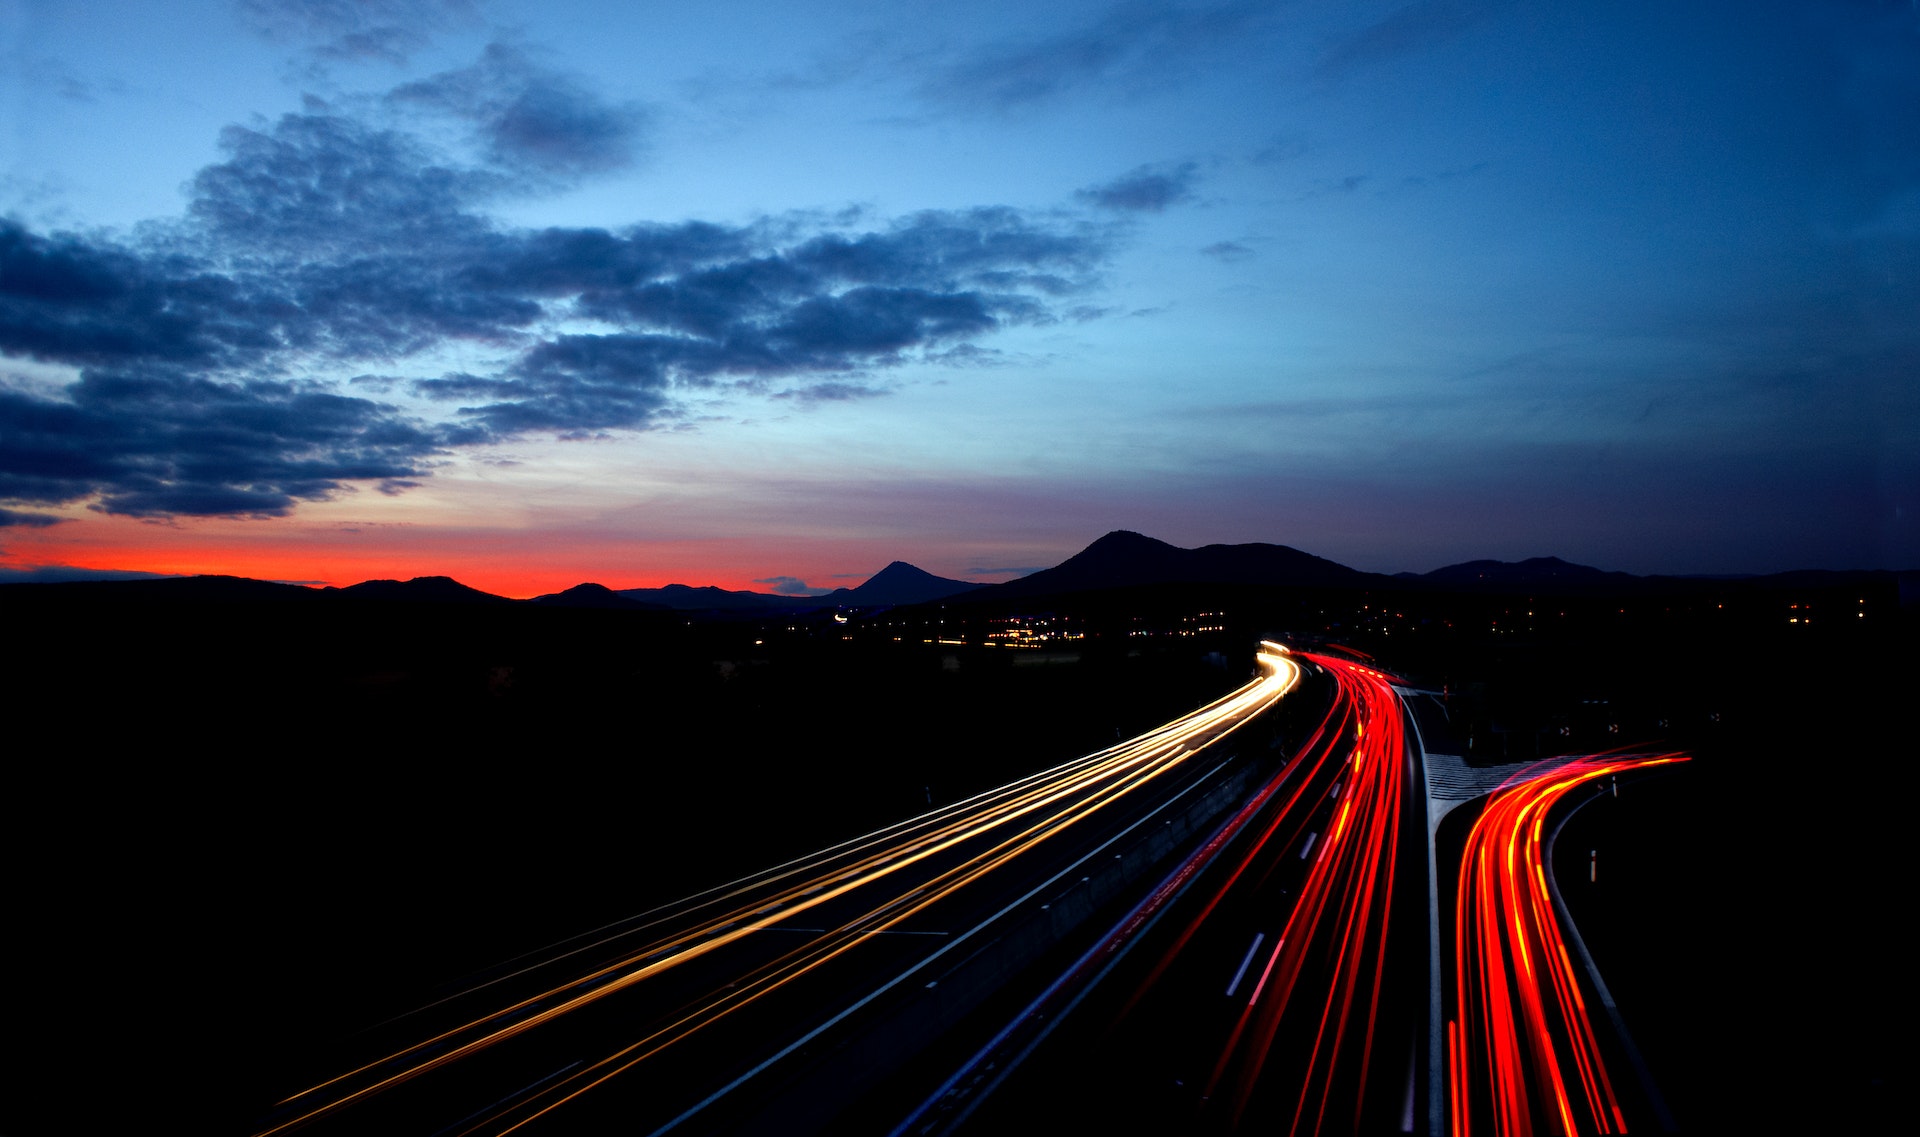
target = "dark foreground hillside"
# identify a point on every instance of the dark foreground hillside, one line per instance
(259, 822)
(246, 819)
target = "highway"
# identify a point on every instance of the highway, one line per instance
(1278, 991)
(698, 1014)
(1262, 957)
(1277, 980)
(1522, 1054)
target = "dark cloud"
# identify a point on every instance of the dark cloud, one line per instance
(322, 245)
(159, 445)
(388, 31)
(1228, 251)
(708, 305)
(996, 247)
(528, 118)
(575, 386)
(1147, 189)
(74, 300)
(316, 236)
(791, 586)
(1285, 148)
(832, 391)
(1133, 44)
(13, 518)
(1426, 181)
(321, 186)
(59, 574)
(1332, 187)
(969, 355)
(378, 384)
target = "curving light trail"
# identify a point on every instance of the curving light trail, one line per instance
(1296, 1051)
(1321, 980)
(870, 884)
(1521, 1052)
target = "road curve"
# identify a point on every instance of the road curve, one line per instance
(1521, 1052)
(1269, 998)
(665, 1013)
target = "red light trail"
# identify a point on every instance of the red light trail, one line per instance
(1337, 929)
(1311, 1036)
(1307, 1000)
(1521, 1050)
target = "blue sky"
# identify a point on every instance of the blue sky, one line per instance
(534, 294)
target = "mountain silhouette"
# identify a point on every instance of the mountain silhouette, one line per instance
(421, 590)
(1124, 559)
(711, 598)
(1535, 574)
(592, 595)
(898, 583)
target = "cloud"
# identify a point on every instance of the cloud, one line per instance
(1425, 181)
(530, 119)
(69, 299)
(575, 386)
(708, 305)
(321, 245)
(1133, 44)
(832, 391)
(1228, 251)
(58, 574)
(1284, 148)
(13, 517)
(319, 187)
(792, 586)
(1333, 187)
(968, 355)
(159, 445)
(387, 31)
(1146, 189)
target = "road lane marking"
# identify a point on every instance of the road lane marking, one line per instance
(1271, 960)
(1241, 974)
(1204, 779)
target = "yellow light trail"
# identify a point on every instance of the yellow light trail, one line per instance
(1009, 821)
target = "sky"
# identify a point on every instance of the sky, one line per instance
(767, 295)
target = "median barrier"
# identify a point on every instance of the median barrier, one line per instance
(832, 1074)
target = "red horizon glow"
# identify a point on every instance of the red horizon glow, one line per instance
(518, 565)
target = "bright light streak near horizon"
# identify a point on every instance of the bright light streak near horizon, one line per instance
(976, 838)
(1521, 1050)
